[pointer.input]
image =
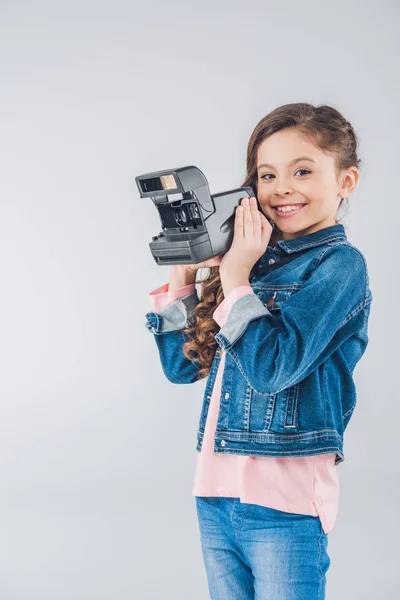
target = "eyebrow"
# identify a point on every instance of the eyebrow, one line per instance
(292, 162)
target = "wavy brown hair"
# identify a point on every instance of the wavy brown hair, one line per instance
(328, 130)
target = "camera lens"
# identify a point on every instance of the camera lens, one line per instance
(180, 216)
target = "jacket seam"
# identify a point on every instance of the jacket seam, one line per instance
(349, 411)
(321, 241)
(282, 437)
(306, 450)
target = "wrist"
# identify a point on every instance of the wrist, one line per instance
(228, 282)
(181, 275)
(238, 273)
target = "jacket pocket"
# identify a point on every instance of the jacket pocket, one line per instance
(273, 296)
(292, 396)
(286, 413)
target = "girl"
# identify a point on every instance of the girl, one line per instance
(288, 305)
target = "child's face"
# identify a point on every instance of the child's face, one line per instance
(313, 184)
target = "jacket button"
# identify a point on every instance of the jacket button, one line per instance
(226, 395)
(223, 442)
(271, 261)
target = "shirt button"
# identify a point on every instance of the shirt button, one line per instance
(223, 442)
(226, 395)
(271, 261)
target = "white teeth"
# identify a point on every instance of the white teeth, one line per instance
(287, 208)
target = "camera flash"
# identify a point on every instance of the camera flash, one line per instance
(168, 182)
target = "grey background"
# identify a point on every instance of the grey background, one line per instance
(97, 448)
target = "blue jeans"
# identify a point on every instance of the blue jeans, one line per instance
(260, 553)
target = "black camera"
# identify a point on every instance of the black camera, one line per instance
(196, 225)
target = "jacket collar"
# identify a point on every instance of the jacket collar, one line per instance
(327, 234)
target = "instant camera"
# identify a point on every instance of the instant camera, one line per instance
(196, 225)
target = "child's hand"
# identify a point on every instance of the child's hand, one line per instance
(252, 232)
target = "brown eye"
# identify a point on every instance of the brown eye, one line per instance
(266, 174)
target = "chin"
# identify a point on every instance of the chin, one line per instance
(286, 228)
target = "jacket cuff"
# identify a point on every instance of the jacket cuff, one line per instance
(162, 296)
(221, 313)
(175, 316)
(245, 309)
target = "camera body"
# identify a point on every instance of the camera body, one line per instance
(196, 225)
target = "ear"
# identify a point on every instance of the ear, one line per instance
(349, 181)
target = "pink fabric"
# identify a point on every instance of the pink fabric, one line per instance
(161, 297)
(304, 485)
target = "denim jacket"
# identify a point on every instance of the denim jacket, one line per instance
(287, 386)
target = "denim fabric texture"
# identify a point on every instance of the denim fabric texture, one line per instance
(251, 551)
(288, 387)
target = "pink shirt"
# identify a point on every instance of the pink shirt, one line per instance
(305, 485)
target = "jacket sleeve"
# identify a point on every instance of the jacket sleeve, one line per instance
(222, 311)
(313, 322)
(172, 312)
(162, 296)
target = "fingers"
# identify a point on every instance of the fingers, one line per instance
(255, 213)
(266, 230)
(238, 223)
(248, 226)
(251, 219)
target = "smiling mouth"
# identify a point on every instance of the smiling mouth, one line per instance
(288, 213)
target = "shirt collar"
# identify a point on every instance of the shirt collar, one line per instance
(327, 234)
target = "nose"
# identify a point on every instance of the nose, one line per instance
(282, 192)
(282, 188)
